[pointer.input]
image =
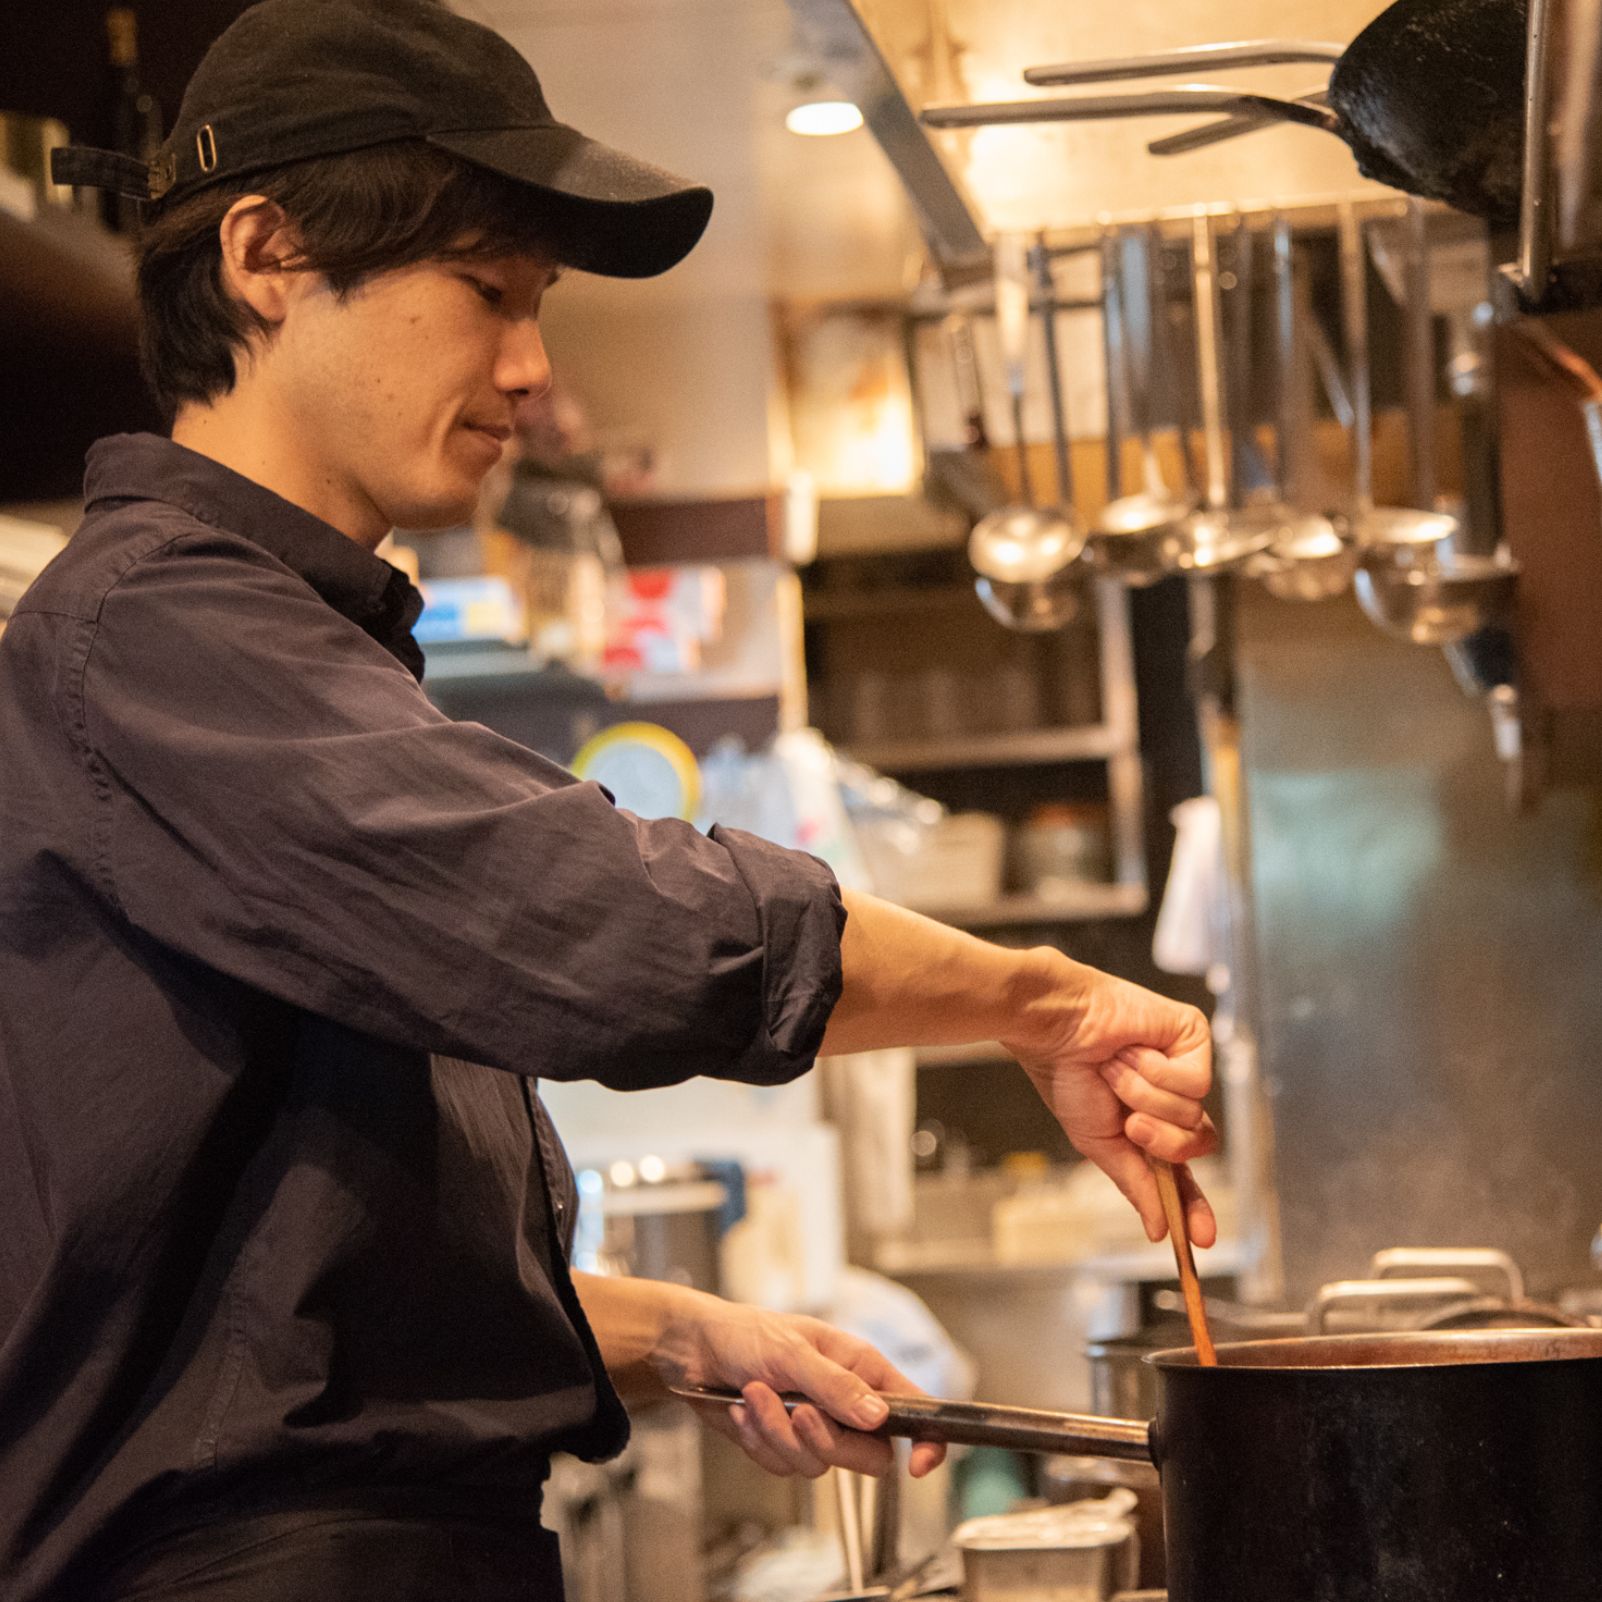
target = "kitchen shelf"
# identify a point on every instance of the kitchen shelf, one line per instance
(1088, 902)
(852, 605)
(508, 665)
(1011, 749)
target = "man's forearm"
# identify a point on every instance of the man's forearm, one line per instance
(910, 981)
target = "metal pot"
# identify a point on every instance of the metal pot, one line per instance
(1419, 1467)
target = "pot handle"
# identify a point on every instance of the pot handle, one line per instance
(1347, 1292)
(1407, 1262)
(1018, 1429)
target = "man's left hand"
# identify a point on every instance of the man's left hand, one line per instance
(761, 1354)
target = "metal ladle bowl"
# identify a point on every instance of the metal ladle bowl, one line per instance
(1428, 597)
(1401, 526)
(1024, 558)
(1309, 560)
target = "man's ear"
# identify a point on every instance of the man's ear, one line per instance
(257, 239)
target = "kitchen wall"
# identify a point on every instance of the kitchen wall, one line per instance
(1431, 965)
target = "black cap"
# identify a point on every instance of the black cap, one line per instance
(294, 79)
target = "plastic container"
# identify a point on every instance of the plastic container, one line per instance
(959, 864)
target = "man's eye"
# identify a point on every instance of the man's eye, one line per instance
(488, 293)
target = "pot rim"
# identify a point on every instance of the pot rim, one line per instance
(1403, 1349)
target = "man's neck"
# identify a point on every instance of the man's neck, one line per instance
(245, 432)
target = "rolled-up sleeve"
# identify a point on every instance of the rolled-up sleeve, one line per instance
(276, 798)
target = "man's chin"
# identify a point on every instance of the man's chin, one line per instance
(434, 511)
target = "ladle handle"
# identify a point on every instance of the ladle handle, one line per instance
(1012, 334)
(1354, 313)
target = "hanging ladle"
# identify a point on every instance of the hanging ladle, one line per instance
(1130, 534)
(1024, 555)
(1371, 525)
(1308, 560)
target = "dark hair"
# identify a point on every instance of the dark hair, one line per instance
(358, 214)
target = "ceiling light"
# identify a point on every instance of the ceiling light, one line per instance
(820, 117)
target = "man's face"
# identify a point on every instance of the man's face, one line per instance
(401, 393)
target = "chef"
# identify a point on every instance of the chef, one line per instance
(285, 1307)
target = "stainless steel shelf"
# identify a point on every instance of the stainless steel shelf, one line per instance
(1011, 749)
(1088, 902)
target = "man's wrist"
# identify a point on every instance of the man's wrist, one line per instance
(1045, 1001)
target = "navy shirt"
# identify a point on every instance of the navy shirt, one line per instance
(283, 951)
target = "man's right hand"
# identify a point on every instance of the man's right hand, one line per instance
(1124, 1071)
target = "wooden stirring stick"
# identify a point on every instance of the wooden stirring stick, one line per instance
(1174, 1212)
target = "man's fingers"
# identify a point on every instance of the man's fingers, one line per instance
(1188, 1074)
(777, 1430)
(743, 1429)
(1199, 1219)
(925, 1458)
(1158, 1138)
(1139, 1094)
(842, 1448)
(1128, 1169)
(844, 1395)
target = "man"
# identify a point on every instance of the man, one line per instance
(284, 1305)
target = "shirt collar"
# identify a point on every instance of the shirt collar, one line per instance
(376, 596)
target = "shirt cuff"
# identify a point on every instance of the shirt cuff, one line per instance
(801, 916)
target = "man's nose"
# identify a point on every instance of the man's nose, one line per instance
(523, 367)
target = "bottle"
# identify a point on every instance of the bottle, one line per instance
(135, 116)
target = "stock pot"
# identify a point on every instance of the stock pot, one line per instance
(1436, 1466)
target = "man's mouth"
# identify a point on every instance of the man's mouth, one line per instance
(499, 432)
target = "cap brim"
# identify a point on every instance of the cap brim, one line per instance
(610, 213)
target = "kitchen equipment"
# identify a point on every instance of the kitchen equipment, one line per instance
(657, 1220)
(1074, 1552)
(1308, 559)
(1072, 1479)
(1061, 847)
(1372, 525)
(1429, 96)
(1223, 534)
(1023, 554)
(1414, 579)
(1417, 1467)
(1189, 1284)
(1435, 599)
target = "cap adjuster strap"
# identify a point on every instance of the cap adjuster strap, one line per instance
(206, 148)
(163, 174)
(103, 169)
